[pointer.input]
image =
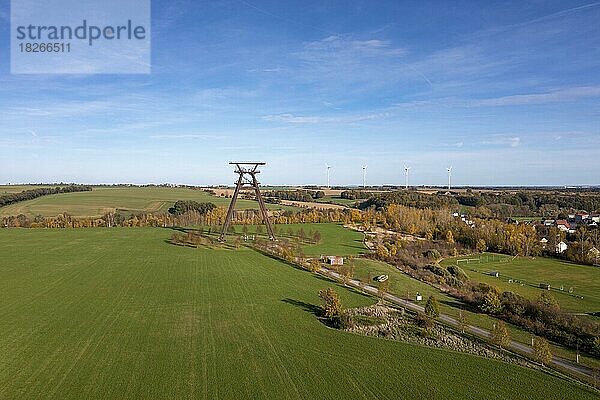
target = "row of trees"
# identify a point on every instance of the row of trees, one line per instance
(208, 216)
(182, 206)
(295, 195)
(12, 198)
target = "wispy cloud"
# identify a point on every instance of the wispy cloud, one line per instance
(339, 60)
(502, 140)
(188, 136)
(555, 96)
(344, 119)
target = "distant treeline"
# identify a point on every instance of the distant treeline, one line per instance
(295, 195)
(534, 203)
(485, 205)
(12, 198)
(409, 199)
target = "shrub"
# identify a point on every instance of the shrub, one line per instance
(541, 351)
(432, 308)
(500, 335)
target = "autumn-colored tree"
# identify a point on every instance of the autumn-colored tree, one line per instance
(541, 351)
(547, 300)
(491, 303)
(500, 335)
(463, 321)
(450, 237)
(330, 303)
(481, 246)
(314, 265)
(432, 308)
(382, 251)
(347, 272)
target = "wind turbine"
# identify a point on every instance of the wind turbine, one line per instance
(328, 168)
(449, 169)
(406, 172)
(364, 168)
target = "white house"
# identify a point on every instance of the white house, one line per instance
(561, 247)
(563, 225)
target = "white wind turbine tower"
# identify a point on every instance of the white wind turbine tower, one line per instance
(364, 168)
(328, 168)
(449, 169)
(406, 172)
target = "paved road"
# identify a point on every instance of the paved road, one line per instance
(519, 347)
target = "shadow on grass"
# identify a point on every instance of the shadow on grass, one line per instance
(310, 308)
(314, 310)
(458, 305)
(214, 244)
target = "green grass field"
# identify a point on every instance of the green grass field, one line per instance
(126, 199)
(335, 239)
(530, 272)
(336, 200)
(122, 314)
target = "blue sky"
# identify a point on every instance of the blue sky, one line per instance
(508, 93)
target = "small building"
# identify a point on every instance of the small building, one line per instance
(563, 225)
(419, 297)
(335, 260)
(561, 247)
(548, 222)
(495, 274)
(545, 286)
(581, 217)
(544, 243)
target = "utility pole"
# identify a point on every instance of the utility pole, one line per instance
(247, 176)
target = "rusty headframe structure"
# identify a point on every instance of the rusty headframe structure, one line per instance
(247, 176)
